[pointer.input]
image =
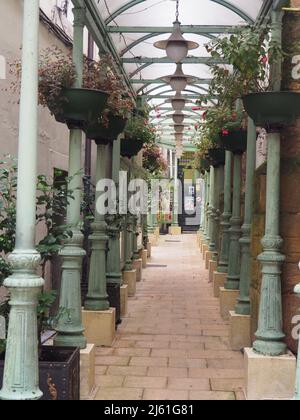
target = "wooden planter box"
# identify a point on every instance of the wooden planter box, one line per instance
(59, 373)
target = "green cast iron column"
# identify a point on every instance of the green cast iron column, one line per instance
(128, 237)
(70, 329)
(136, 252)
(269, 334)
(21, 372)
(233, 278)
(219, 182)
(212, 210)
(114, 274)
(97, 298)
(207, 195)
(202, 217)
(175, 204)
(226, 216)
(243, 303)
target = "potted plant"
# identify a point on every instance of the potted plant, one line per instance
(59, 367)
(106, 127)
(153, 160)
(138, 132)
(57, 76)
(254, 55)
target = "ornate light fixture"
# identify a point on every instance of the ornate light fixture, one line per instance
(178, 137)
(179, 128)
(178, 102)
(177, 47)
(178, 117)
(178, 80)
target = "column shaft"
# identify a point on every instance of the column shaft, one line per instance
(243, 303)
(21, 372)
(269, 334)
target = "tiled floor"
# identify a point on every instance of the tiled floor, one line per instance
(173, 343)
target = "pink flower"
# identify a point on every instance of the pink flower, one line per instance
(225, 132)
(264, 59)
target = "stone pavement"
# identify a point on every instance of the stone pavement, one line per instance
(173, 344)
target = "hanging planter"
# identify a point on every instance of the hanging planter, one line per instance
(104, 135)
(234, 140)
(76, 107)
(273, 108)
(216, 157)
(131, 147)
(204, 165)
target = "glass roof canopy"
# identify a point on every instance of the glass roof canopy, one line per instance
(134, 26)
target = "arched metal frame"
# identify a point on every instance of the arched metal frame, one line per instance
(223, 3)
(168, 91)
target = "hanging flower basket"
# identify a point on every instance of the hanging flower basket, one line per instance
(216, 157)
(234, 140)
(131, 147)
(75, 107)
(104, 135)
(204, 165)
(273, 108)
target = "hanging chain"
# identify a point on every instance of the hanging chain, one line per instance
(177, 10)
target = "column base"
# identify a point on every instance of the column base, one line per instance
(218, 282)
(113, 291)
(239, 331)
(87, 371)
(153, 239)
(138, 266)
(208, 257)
(124, 300)
(149, 250)
(144, 256)
(228, 300)
(157, 232)
(269, 378)
(175, 230)
(129, 278)
(204, 250)
(100, 326)
(212, 266)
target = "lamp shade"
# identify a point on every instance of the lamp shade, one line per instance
(179, 137)
(178, 103)
(177, 47)
(179, 128)
(178, 80)
(178, 118)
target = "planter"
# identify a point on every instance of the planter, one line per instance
(216, 157)
(131, 147)
(78, 106)
(59, 373)
(105, 135)
(273, 108)
(204, 165)
(235, 141)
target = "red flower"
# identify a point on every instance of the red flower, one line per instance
(225, 132)
(264, 59)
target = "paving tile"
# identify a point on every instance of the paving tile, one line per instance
(127, 370)
(107, 381)
(227, 384)
(189, 384)
(211, 396)
(132, 352)
(216, 373)
(149, 361)
(165, 395)
(145, 382)
(112, 360)
(168, 372)
(123, 394)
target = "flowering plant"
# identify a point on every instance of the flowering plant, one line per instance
(153, 161)
(139, 127)
(57, 71)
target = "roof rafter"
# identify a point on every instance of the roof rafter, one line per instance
(192, 29)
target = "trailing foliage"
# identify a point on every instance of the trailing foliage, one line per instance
(153, 160)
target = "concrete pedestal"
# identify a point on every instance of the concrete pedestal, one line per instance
(138, 266)
(208, 257)
(269, 378)
(153, 239)
(175, 230)
(129, 278)
(228, 300)
(87, 371)
(100, 326)
(212, 266)
(204, 250)
(124, 300)
(218, 282)
(239, 331)
(144, 256)
(149, 250)
(157, 232)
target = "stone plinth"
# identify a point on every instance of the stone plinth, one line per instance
(218, 282)
(149, 250)
(144, 256)
(100, 326)
(87, 371)
(228, 300)
(204, 250)
(269, 378)
(175, 230)
(239, 331)
(208, 257)
(138, 266)
(212, 266)
(124, 299)
(129, 278)
(153, 239)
